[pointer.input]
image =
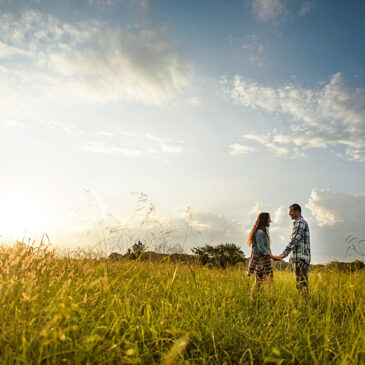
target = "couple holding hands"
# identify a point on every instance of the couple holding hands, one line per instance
(298, 246)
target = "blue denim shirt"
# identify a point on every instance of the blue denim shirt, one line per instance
(260, 243)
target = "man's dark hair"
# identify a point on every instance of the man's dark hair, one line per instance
(296, 207)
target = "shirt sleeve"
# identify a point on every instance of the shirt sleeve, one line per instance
(298, 231)
(262, 243)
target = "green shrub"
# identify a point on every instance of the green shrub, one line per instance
(221, 255)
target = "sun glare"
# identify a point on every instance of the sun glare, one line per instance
(20, 215)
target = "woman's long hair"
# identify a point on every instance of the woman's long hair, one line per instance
(262, 222)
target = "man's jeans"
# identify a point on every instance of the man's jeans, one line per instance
(301, 269)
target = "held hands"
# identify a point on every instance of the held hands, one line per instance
(278, 257)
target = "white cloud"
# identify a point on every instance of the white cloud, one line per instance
(267, 140)
(128, 143)
(99, 147)
(280, 213)
(331, 208)
(255, 211)
(91, 61)
(194, 101)
(9, 52)
(333, 114)
(111, 3)
(166, 144)
(239, 149)
(339, 215)
(275, 10)
(259, 138)
(159, 139)
(104, 3)
(173, 149)
(354, 154)
(267, 9)
(215, 228)
(306, 8)
(11, 124)
(255, 50)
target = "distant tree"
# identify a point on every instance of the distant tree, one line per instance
(221, 255)
(136, 250)
(343, 266)
(358, 265)
(115, 256)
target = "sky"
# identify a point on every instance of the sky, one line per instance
(214, 110)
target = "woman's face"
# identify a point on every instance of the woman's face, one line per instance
(268, 221)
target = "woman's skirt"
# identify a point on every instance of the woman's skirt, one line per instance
(260, 265)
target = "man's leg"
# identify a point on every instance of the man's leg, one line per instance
(301, 277)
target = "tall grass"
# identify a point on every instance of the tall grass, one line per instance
(84, 311)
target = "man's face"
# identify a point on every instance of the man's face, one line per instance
(294, 214)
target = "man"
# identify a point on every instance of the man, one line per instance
(299, 246)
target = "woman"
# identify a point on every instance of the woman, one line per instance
(260, 261)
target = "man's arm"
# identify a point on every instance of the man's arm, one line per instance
(296, 236)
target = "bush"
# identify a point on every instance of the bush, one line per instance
(136, 250)
(221, 255)
(356, 265)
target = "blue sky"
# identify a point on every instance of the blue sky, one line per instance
(228, 108)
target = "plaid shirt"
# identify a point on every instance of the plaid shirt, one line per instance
(299, 244)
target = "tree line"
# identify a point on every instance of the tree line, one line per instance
(221, 256)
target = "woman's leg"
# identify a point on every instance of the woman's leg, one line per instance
(268, 272)
(256, 286)
(269, 279)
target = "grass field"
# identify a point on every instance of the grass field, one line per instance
(61, 310)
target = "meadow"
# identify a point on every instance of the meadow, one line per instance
(57, 310)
